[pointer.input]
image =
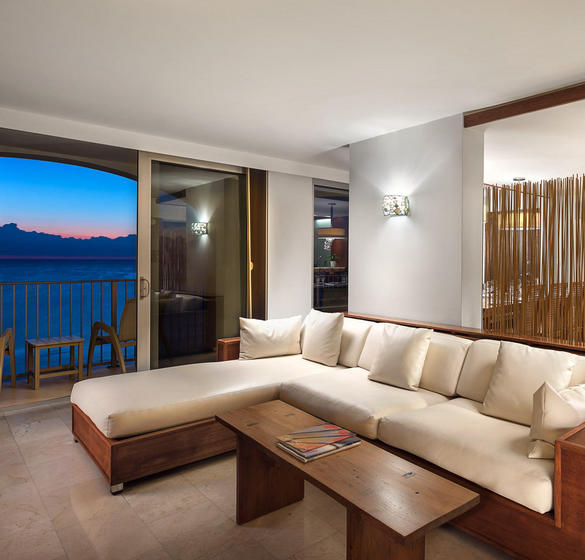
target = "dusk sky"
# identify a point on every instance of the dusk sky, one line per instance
(67, 200)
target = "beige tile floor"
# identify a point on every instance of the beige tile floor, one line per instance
(55, 504)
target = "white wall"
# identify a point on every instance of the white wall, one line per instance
(408, 267)
(44, 124)
(472, 228)
(290, 245)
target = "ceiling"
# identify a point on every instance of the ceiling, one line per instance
(540, 145)
(294, 80)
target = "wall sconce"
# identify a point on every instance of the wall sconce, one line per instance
(199, 228)
(395, 205)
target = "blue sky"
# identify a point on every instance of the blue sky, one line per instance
(64, 199)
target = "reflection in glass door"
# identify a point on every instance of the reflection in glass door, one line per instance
(331, 226)
(198, 261)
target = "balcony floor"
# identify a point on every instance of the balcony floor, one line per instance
(51, 388)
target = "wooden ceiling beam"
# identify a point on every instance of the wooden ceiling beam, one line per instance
(554, 98)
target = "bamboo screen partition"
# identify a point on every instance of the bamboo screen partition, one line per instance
(534, 259)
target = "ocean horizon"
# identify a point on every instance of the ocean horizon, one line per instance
(59, 269)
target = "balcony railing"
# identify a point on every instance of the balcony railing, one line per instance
(42, 309)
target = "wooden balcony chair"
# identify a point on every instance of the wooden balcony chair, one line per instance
(124, 338)
(7, 349)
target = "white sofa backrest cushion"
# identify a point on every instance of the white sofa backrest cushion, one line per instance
(554, 413)
(275, 337)
(519, 371)
(371, 347)
(477, 369)
(578, 377)
(322, 337)
(353, 338)
(443, 363)
(401, 357)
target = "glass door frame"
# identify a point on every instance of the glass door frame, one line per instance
(143, 263)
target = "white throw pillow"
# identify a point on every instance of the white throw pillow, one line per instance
(275, 337)
(519, 371)
(372, 346)
(443, 363)
(322, 337)
(401, 357)
(353, 338)
(478, 369)
(554, 413)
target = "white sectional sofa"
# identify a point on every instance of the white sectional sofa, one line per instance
(442, 421)
(357, 403)
(440, 426)
(143, 402)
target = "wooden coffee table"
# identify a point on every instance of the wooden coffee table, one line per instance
(391, 503)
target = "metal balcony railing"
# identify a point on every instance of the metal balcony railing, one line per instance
(60, 308)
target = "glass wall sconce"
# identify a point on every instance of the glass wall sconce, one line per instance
(395, 205)
(199, 228)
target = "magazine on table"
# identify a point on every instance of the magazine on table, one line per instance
(317, 441)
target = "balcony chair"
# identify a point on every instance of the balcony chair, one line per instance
(7, 349)
(124, 338)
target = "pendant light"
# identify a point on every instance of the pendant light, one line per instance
(331, 232)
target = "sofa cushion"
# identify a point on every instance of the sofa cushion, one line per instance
(487, 451)
(479, 365)
(401, 357)
(322, 337)
(578, 376)
(554, 413)
(443, 363)
(372, 346)
(442, 366)
(141, 402)
(353, 338)
(348, 398)
(478, 369)
(519, 371)
(275, 337)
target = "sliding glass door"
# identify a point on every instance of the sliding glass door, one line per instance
(194, 286)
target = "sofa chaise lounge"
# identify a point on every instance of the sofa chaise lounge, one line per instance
(141, 423)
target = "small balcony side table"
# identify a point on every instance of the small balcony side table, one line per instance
(33, 352)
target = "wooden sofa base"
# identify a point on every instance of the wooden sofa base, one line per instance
(123, 460)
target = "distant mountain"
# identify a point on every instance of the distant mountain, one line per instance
(15, 242)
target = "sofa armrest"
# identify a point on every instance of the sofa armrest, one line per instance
(228, 349)
(569, 490)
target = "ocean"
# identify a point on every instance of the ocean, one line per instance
(43, 270)
(80, 293)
